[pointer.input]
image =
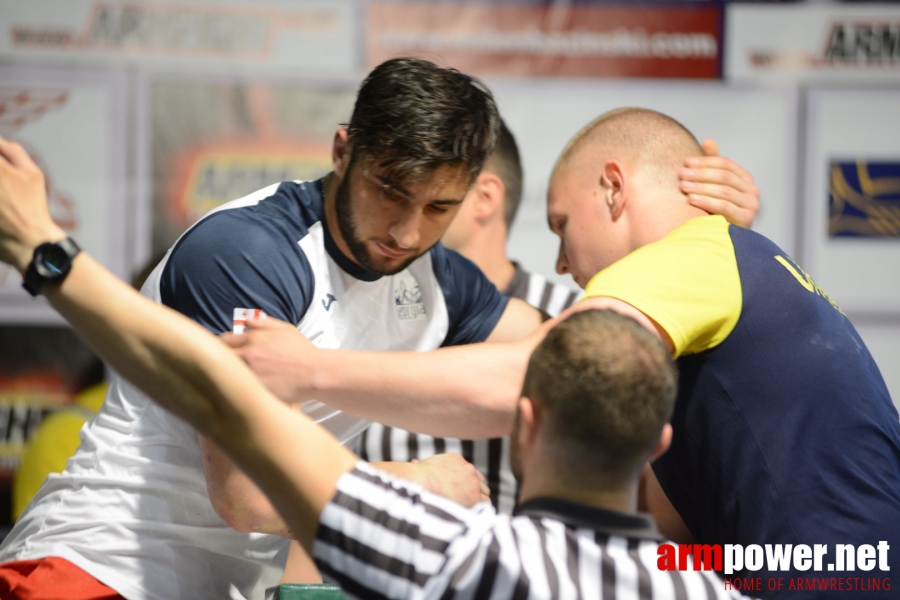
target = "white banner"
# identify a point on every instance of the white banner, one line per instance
(71, 122)
(317, 36)
(812, 42)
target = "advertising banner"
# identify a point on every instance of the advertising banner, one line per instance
(555, 39)
(813, 42)
(315, 35)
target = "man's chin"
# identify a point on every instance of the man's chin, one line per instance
(396, 267)
(384, 265)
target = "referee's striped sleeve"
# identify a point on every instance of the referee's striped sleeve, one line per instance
(382, 537)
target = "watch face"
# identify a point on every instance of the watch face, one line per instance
(51, 261)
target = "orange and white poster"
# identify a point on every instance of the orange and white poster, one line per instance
(202, 144)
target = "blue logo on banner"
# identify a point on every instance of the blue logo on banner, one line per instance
(864, 199)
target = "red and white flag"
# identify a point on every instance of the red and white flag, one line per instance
(242, 315)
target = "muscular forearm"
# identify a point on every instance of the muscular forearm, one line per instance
(468, 392)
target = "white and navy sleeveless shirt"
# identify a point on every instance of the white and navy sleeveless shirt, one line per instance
(132, 508)
(491, 457)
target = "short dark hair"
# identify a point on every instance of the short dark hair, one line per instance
(506, 164)
(606, 387)
(412, 116)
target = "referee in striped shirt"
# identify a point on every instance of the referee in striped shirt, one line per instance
(479, 232)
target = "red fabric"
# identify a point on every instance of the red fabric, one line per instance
(50, 578)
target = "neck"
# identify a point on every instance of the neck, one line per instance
(487, 249)
(330, 185)
(659, 217)
(542, 481)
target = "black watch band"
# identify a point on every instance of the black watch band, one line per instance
(52, 261)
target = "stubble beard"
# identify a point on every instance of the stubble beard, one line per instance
(350, 232)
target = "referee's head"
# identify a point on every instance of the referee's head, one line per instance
(598, 394)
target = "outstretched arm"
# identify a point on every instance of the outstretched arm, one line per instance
(176, 362)
(461, 391)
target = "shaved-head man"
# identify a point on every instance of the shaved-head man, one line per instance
(784, 431)
(650, 149)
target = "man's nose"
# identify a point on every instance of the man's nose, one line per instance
(562, 262)
(405, 230)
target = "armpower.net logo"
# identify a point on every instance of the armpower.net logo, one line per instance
(844, 567)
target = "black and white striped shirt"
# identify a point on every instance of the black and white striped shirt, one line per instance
(382, 537)
(491, 457)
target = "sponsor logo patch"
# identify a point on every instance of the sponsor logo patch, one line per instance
(408, 298)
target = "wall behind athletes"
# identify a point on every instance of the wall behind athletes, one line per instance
(146, 115)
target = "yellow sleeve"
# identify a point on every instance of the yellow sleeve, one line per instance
(688, 283)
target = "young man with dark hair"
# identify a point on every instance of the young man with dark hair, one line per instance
(574, 535)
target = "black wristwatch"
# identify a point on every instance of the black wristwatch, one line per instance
(52, 262)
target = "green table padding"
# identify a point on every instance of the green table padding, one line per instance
(308, 591)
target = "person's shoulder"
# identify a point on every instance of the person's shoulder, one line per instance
(255, 224)
(287, 206)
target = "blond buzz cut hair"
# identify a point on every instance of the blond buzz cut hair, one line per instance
(644, 138)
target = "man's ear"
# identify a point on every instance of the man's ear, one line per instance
(529, 414)
(340, 152)
(612, 183)
(665, 440)
(489, 196)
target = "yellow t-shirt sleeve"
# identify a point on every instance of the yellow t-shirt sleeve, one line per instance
(688, 283)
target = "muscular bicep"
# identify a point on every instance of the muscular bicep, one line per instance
(518, 321)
